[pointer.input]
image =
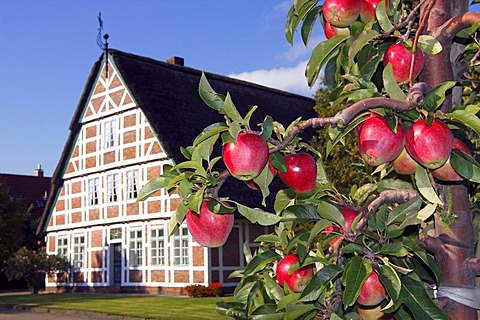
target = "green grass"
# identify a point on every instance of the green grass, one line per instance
(141, 306)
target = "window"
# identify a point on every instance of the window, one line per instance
(112, 187)
(93, 188)
(79, 252)
(62, 247)
(180, 247)
(132, 184)
(157, 245)
(109, 131)
(136, 248)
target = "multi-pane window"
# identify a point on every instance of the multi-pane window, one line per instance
(136, 248)
(93, 190)
(78, 251)
(132, 184)
(62, 247)
(112, 187)
(109, 132)
(181, 247)
(157, 247)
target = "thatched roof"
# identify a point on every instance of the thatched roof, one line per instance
(168, 95)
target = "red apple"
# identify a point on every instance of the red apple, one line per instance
(429, 145)
(298, 279)
(348, 215)
(401, 59)
(301, 174)
(207, 228)
(446, 172)
(331, 31)
(368, 9)
(253, 185)
(372, 291)
(377, 143)
(246, 157)
(404, 164)
(341, 13)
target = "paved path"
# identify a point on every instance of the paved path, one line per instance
(54, 314)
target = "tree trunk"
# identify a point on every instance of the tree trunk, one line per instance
(454, 240)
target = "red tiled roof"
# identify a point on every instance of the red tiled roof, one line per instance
(30, 188)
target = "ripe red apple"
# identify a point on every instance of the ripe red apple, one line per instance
(404, 164)
(446, 172)
(348, 215)
(253, 185)
(209, 229)
(368, 9)
(246, 157)
(429, 145)
(331, 31)
(341, 13)
(298, 279)
(377, 143)
(401, 59)
(301, 174)
(372, 291)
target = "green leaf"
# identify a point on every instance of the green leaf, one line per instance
(260, 261)
(283, 199)
(309, 23)
(152, 186)
(195, 202)
(331, 212)
(436, 96)
(258, 216)
(188, 165)
(391, 85)
(267, 312)
(466, 118)
(400, 211)
(356, 272)
(465, 165)
(416, 298)
(278, 162)
(297, 311)
(320, 55)
(382, 16)
(263, 181)
(361, 40)
(363, 192)
(291, 24)
(319, 280)
(302, 213)
(394, 249)
(267, 128)
(209, 96)
(425, 187)
(284, 301)
(429, 44)
(177, 218)
(232, 309)
(211, 130)
(231, 111)
(390, 279)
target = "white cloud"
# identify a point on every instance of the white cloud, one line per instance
(290, 79)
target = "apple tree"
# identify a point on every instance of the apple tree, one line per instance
(400, 245)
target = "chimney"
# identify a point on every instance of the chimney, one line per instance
(176, 60)
(38, 172)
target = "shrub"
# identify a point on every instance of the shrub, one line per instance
(198, 290)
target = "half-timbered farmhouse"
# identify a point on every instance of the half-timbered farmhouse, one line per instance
(132, 118)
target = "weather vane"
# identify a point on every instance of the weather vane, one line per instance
(102, 41)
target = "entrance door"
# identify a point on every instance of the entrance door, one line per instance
(116, 259)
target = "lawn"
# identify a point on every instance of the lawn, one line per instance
(141, 306)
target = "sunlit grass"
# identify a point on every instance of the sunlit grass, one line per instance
(141, 306)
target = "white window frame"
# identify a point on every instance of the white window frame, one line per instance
(62, 246)
(93, 191)
(79, 251)
(157, 246)
(109, 133)
(112, 187)
(135, 248)
(181, 247)
(132, 184)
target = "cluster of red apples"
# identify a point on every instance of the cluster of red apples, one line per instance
(423, 143)
(339, 16)
(245, 159)
(372, 292)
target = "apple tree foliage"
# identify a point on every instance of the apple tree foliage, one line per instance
(396, 213)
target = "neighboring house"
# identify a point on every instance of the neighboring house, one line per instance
(133, 116)
(32, 189)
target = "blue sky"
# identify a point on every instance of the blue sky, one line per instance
(47, 49)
